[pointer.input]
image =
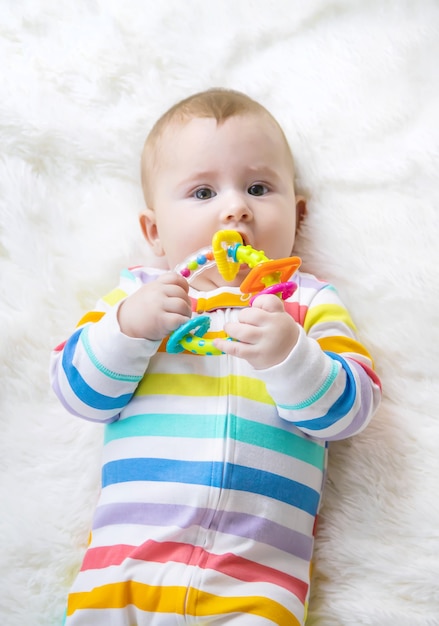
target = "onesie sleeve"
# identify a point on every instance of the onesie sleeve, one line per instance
(327, 385)
(96, 371)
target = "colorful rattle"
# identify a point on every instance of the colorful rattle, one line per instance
(228, 252)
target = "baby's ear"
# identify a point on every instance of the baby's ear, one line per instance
(148, 225)
(300, 210)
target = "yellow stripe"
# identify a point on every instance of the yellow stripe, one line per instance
(175, 599)
(92, 316)
(327, 313)
(343, 344)
(114, 296)
(119, 595)
(196, 385)
(200, 603)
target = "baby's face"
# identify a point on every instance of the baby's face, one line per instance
(237, 176)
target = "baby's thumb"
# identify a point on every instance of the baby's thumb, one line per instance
(268, 302)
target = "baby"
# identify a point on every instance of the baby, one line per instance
(213, 466)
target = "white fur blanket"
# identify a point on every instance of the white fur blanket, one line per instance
(356, 86)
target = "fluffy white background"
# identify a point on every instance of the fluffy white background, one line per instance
(355, 84)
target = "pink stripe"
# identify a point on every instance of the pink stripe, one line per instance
(297, 311)
(228, 564)
(369, 371)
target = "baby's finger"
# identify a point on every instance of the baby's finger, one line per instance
(173, 278)
(178, 305)
(228, 346)
(243, 332)
(268, 302)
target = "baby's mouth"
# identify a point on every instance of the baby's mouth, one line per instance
(245, 241)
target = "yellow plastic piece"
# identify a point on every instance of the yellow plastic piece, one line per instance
(264, 271)
(199, 345)
(250, 256)
(220, 242)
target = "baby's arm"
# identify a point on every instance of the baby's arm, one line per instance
(97, 370)
(324, 380)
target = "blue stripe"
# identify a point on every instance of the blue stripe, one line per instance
(340, 408)
(81, 389)
(215, 474)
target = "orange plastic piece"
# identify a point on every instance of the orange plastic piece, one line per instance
(279, 270)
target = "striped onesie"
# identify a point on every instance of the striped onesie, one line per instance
(212, 471)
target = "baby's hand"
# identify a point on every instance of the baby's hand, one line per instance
(265, 333)
(156, 309)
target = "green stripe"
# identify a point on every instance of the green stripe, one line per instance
(98, 365)
(127, 274)
(212, 427)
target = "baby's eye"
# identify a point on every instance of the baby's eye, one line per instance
(204, 193)
(257, 189)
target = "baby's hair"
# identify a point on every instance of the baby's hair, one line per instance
(219, 104)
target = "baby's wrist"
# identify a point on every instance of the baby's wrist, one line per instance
(125, 324)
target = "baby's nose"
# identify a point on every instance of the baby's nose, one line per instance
(236, 208)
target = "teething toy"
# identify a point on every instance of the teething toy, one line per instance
(228, 252)
(182, 338)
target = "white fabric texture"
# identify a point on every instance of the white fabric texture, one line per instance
(355, 85)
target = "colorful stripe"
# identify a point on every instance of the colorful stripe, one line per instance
(80, 388)
(227, 564)
(206, 427)
(341, 407)
(217, 475)
(341, 344)
(326, 314)
(178, 600)
(243, 525)
(91, 316)
(191, 385)
(115, 296)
